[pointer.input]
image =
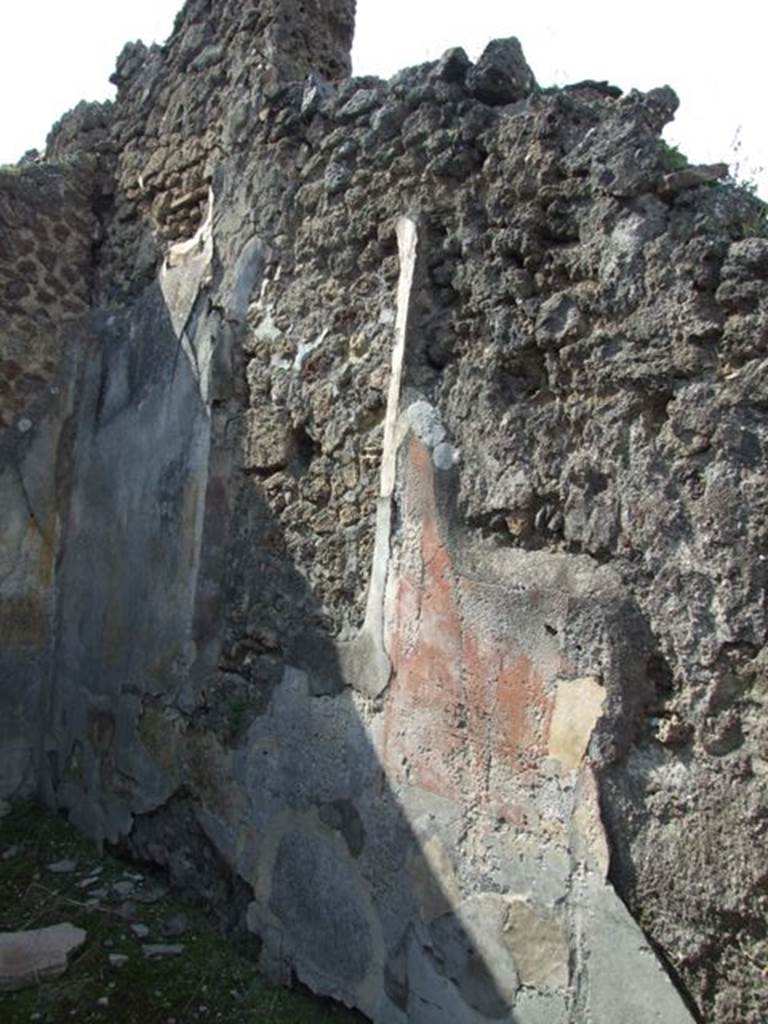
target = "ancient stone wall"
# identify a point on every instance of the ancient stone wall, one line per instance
(182, 106)
(409, 595)
(47, 232)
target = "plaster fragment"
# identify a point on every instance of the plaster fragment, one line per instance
(578, 704)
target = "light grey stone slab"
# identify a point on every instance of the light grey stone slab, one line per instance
(625, 981)
(29, 957)
(153, 950)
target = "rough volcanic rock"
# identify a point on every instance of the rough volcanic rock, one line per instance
(501, 75)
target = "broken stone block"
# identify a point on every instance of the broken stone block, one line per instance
(691, 177)
(502, 74)
(453, 66)
(159, 949)
(268, 440)
(29, 957)
(539, 945)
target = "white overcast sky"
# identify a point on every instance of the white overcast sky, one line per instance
(56, 52)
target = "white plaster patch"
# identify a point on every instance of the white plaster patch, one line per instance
(185, 270)
(407, 239)
(425, 423)
(578, 705)
(445, 456)
(305, 350)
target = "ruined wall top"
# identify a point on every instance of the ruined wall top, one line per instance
(281, 38)
(179, 107)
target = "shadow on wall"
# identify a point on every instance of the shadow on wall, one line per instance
(46, 234)
(149, 744)
(424, 845)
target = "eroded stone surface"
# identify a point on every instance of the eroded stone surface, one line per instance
(539, 945)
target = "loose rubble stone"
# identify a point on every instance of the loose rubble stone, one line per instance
(453, 66)
(176, 925)
(161, 950)
(30, 957)
(150, 895)
(363, 102)
(87, 883)
(128, 910)
(62, 867)
(501, 75)
(691, 177)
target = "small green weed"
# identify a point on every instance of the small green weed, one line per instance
(754, 220)
(743, 177)
(676, 160)
(756, 226)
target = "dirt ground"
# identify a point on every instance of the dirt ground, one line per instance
(49, 874)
